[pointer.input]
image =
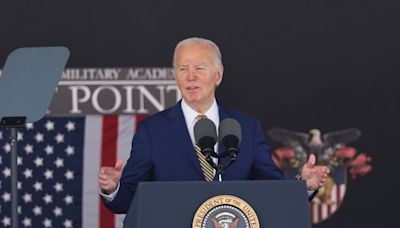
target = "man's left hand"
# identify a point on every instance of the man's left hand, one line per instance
(314, 175)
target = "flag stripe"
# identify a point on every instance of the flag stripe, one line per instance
(315, 206)
(108, 158)
(138, 119)
(126, 130)
(342, 191)
(319, 213)
(332, 207)
(324, 211)
(92, 145)
(338, 196)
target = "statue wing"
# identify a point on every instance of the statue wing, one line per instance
(341, 137)
(335, 140)
(294, 139)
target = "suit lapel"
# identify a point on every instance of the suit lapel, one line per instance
(181, 134)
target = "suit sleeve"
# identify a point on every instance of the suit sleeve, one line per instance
(264, 167)
(138, 168)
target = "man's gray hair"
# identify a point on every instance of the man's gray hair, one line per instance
(198, 40)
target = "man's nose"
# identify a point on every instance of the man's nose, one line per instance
(192, 74)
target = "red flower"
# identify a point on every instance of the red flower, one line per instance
(346, 152)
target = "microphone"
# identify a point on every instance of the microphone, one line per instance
(230, 135)
(205, 134)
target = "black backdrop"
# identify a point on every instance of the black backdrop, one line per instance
(295, 64)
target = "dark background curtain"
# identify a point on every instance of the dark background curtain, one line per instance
(292, 64)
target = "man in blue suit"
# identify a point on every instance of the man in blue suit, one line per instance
(163, 146)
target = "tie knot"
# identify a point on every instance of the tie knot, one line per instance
(200, 117)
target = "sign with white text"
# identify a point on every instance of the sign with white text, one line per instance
(84, 91)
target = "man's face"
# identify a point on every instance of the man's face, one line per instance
(196, 74)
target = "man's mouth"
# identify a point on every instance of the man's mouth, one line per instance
(192, 88)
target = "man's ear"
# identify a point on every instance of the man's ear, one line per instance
(220, 72)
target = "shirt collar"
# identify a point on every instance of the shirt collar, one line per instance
(190, 114)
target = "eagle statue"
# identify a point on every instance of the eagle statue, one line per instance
(324, 147)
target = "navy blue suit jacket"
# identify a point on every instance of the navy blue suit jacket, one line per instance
(163, 151)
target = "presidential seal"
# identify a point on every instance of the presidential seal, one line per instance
(225, 211)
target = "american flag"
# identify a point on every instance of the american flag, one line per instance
(58, 162)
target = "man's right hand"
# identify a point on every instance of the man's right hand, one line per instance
(109, 177)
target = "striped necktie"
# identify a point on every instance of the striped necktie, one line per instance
(205, 166)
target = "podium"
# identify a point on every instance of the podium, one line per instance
(277, 204)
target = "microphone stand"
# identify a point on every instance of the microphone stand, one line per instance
(208, 156)
(220, 168)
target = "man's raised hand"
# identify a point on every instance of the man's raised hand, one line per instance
(109, 177)
(314, 175)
